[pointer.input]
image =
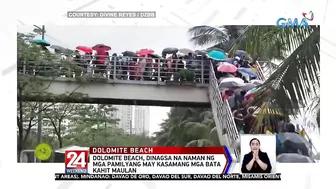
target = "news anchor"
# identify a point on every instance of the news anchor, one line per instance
(256, 161)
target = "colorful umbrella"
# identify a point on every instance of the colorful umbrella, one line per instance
(144, 52)
(215, 49)
(84, 49)
(41, 42)
(227, 67)
(251, 93)
(101, 47)
(216, 55)
(248, 71)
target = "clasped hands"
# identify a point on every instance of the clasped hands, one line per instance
(255, 155)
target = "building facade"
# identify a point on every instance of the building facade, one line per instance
(141, 120)
(124, 114)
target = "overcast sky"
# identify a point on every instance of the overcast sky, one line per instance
(121, 38)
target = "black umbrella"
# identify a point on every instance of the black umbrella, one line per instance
(170, 50)
(293, 143)
(61, 49)
(294, 158)
(200, 53)
(240, 53)
(129, 53)
(155, 56)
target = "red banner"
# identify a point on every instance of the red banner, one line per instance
(157, 150)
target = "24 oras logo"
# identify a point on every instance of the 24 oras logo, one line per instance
(296, 22)
(309, 16)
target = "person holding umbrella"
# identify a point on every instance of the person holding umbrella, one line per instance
(146, 62)
(102, 57)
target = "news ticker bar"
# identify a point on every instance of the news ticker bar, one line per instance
(62, 176)
(111, 14)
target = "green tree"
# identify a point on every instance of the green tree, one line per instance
(31, 58)
(57, 115)
(222, 37)
(96, 125)
(295, 80)
(187, 127)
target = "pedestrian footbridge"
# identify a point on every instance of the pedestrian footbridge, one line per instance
(126, 92)
(157, 88)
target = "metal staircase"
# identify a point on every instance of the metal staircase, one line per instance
(226, 127)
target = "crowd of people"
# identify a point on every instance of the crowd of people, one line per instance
(237, 76)
(238, 86)
(141, 65)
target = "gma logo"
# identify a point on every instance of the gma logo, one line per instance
(292, 23)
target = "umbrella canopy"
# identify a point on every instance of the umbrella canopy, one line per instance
(248, 71)
(41, 42)
(293, 143)
(170, 50)
(230, 82)
(230, 60)
(240, 53)
(61, 49)
(129, 53)
(293, 158)
(143, 52)
(246, 87)
(56, 47)
(155, 56)
(101, 47)
(200, 53)
(186, 51)
(216, 55)
(252, 91)
(215, 49)
(227, 67)
(84, 49)
(256, 82)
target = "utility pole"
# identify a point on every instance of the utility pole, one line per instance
(39, 115)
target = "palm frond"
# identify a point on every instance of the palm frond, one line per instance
(296, 79)
(207, 35)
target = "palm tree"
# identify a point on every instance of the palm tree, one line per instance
(296, 79)
(220, 37)
(188, 127)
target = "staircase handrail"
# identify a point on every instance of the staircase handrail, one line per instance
(222, 113)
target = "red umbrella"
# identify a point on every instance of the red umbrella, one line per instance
(84, 49)
(101, 47)
(143, 52)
